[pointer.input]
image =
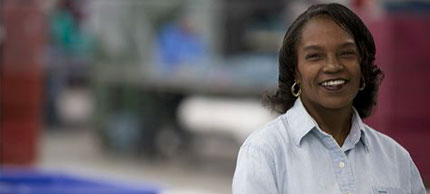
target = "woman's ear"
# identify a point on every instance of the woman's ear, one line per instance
(297, 77)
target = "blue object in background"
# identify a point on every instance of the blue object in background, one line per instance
(30, 181)
(180, 44)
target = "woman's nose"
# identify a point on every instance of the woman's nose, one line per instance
(333, 65)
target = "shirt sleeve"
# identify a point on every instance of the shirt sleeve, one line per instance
(417, 185)
(255, 172)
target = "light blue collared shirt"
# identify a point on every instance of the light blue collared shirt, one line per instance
(291, 155)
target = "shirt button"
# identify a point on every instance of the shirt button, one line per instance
(341, 165)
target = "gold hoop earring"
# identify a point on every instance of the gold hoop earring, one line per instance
(364, 83)
(293, 90)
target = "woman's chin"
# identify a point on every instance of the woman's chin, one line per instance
(336, 104)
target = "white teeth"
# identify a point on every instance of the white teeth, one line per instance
(333, 83)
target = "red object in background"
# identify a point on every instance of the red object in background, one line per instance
(358, 4)
(403, 112)
(20, 81)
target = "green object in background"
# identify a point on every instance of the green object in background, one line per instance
(66, 33)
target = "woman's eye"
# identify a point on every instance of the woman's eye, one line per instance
(348, 53)
(312, 57)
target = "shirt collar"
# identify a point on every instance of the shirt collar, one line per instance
(301, 123)
(356, 134)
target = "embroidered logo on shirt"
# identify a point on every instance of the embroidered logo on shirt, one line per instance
(387, 190)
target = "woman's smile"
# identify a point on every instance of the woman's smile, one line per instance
(334, 85)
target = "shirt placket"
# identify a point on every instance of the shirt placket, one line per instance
(341, 165)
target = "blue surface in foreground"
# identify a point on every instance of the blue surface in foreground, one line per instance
(30, 181)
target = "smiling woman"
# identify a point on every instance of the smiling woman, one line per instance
(327, 83)
(328, 73)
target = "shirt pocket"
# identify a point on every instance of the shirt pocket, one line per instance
(387, 190)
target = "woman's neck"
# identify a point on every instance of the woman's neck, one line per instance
(336, 122)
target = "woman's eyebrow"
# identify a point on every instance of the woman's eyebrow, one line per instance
(312, 47)
(348, 44)
(316, 47)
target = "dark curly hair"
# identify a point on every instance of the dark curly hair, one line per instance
(282, 99)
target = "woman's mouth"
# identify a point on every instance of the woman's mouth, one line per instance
(334, 85)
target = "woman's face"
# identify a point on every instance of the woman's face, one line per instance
(328, 69)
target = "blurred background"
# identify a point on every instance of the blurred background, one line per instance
(163, 92)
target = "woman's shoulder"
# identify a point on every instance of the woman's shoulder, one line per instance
(271, 136)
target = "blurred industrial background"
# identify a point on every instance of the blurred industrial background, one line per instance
(163, 92)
